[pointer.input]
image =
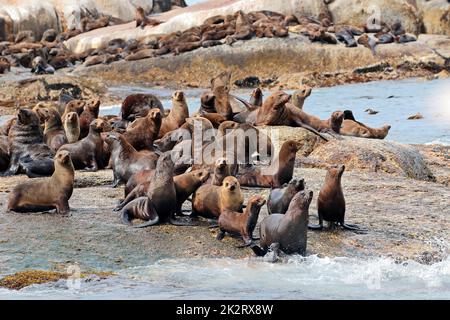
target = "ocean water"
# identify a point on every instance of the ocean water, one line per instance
(295, 278)
(395, 101)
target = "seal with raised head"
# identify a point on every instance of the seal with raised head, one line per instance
(278, 173)
(177, 115)
(89, 114)
(160, 203)
(142, 20)
(54, 134)
(143, 131)
(125, 160)
(300, 95)
(289, 230)
(87, 153)
(46, 193)
(352, 127)
(280, 198)
(72, 127)
(138, 105)
(209, 201)
(331, 201)
(28, 152)
(242, 224)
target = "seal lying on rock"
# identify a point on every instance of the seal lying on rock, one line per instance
(351, 127)
(46, 193)
(280, 198)
(126, 160)
(331, 201)
(28, 152)
(279, 172)
(242, 224)
(88, 152)
(288, 230)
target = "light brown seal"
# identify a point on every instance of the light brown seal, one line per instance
(242, 224)
(54, 134)
(351, 127)
(143, 131)
(72, 127)
(209, 201)
(89, 114)
(177, 115)
(46, 193)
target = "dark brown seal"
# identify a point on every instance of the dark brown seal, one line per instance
(280, 198)
(125, 160)
(177, 115)
(242, 224)
(143, 131)
(142, 20)
(89, 114)
(288, 230)
(54, 134)
(278, 173)
(88, 152)
(256, 97)
(331, 201)
(28, 152)
(160, 203)
(138, 105)
(47, 193)
(209, 201)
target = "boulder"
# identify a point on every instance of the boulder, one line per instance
(372, 156)
(435, 16)
(358, 12)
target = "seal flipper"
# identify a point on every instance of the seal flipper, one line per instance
(311, 129)
(125, 217)
(258, 250)
(315, 227)
(148, 223)
(177, 222)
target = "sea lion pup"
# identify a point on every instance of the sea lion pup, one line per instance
(54, 134)
(88, 152)
(46, 193)
(351, 127)
(280, 198)
(125, 160)
(89, 114)
(256, 97)
(142, 20)
(278, 173)
(299, 96)
(138, 105)
(209, 201)
(28, 152)
(242, 224)
(331, 201)
(72, 127)
(160, 203)
(177, 115)
(143, 131)
(288, 230)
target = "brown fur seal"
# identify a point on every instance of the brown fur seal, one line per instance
(278, 173)
(351, 127)
(177, 115)
(209, 201)
(88, 152)
(73, 106)
(72, 127)
(142, 20)
(288, 230)
(4, 153)
(54, 134)
(160, 203)
(138, 105)
(256, 97)
(331, 201)
(89, 114)
(46, 193)
(126, 160)
(215, 118)
(242, 224)
(299, 96)
(331, 125)
(221, 171)
(28, 152)
(143, 131)
(280, 198)
(221, 90)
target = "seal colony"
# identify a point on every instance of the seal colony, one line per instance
(49, 54)
(193, 160)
